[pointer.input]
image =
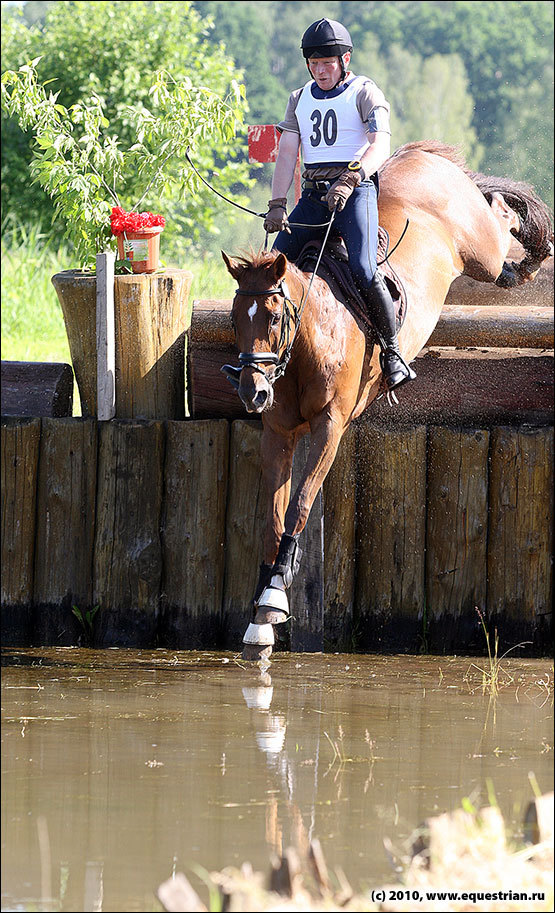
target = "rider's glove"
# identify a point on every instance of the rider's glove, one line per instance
(276, 217)
(341, 190)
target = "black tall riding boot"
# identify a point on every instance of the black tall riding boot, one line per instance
(382, 314)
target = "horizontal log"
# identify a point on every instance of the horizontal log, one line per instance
(452, 386)
(474, 386)
(37, 389)
(530, 326)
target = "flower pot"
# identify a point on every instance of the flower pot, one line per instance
(141, 248)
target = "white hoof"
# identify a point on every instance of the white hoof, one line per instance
(258, 698)
(260, 635)
(271, 740)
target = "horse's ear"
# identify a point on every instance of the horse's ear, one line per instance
(232, 266)
(279, 267)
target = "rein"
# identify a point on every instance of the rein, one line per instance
(287, 338)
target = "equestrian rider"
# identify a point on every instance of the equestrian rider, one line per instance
(341, 122)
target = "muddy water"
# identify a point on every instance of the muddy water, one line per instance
(121, 767)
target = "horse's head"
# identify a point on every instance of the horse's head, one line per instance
(257, 315)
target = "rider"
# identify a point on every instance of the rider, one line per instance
(342, 123)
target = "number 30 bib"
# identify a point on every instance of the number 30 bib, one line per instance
(331, 128)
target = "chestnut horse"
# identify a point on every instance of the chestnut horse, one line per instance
(459, 222)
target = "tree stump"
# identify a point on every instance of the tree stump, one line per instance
(152, 316)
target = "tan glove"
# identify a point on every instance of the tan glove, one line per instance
(276, 217)
(341, 190)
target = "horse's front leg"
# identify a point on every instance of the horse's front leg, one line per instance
(272, 603)
(277, 460)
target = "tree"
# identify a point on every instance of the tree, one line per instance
(507, 50)
(406, 79)
(126, 44)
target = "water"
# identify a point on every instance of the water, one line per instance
(120, 767)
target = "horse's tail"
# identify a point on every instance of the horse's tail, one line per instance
(536, 227)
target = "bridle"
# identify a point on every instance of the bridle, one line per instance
(290, 322)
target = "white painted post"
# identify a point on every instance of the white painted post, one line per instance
(105, 336)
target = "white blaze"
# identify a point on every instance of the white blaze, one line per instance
(252, 310)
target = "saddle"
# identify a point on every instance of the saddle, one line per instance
(334, 269)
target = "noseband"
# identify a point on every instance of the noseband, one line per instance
(290, 320)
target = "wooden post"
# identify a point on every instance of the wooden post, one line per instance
(65, 528)
(244, 530)
(456, 537)
(127, 550)
(20, 451)
(340, 546)
(105, 336)
(391, 499)
(306, 597)
(193, 533)
(520, 541)
(153, 314)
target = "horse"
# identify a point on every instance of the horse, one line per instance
(306, 363)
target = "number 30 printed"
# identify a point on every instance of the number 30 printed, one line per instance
(328, 127)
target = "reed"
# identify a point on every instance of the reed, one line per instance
(494, 676)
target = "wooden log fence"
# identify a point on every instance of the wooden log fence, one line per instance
(159, 525)
(490, 362)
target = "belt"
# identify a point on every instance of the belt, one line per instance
(319, 186)
(324, 186)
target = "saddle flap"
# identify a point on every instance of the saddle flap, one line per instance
(334, 269)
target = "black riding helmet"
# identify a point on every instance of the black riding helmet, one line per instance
(326, 38)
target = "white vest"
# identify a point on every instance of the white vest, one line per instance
(331, 128)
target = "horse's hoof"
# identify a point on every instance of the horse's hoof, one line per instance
(258, 642)
(255, 652)
(270, 616)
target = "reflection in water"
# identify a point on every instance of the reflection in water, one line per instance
(121, 767)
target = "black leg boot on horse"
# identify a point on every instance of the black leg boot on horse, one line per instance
(270, 601)
(381, 311)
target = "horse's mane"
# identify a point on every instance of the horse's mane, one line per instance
(536, 230)
(262, 259)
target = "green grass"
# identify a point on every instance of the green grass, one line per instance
(32, 321)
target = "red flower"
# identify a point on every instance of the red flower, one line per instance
(122, 221)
